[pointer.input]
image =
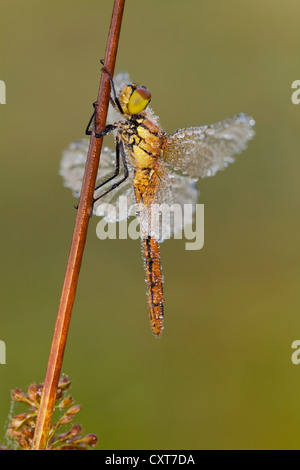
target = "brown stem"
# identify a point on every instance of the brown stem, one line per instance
(78, 241)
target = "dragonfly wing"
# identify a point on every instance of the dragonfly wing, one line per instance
(118, 204)
(181, 191)
(72, 165)
(202, 151)
(72, 169)
(165, 214)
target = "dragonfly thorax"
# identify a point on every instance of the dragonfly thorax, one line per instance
(143, 140)
(134, 99)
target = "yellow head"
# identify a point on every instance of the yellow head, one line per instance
(134, 99)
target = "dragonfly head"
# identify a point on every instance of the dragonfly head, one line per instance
(134, 99)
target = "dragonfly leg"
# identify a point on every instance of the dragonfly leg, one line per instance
(115, 102)
(117, 168)
(109, 128)
(117, 171)
(119, 149)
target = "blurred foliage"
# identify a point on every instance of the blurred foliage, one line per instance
(221, 376)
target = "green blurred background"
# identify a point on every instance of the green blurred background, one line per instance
(221, 376)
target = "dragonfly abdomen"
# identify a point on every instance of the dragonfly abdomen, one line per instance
(154, 281)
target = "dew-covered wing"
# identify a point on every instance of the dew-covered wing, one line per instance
(72, 168)
(202, 151)
(168, 213)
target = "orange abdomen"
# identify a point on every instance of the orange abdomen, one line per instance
(154, 281)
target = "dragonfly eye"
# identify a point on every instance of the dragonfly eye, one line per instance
(139, 100)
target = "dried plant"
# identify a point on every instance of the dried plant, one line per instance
(78, 241)
(22, 426)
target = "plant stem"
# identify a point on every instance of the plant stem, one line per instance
(78, 241)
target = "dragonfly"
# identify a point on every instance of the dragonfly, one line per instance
(150, 167)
